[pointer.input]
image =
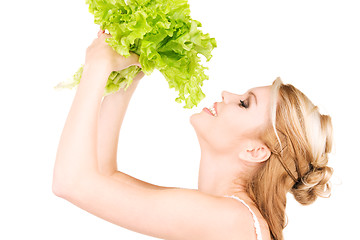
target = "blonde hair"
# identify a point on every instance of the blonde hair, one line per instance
(300, 139)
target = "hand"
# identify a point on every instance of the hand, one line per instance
(100, 55)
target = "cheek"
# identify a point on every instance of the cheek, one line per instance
(221, 133)
(231, 129)
(232, 123)
(236, 126)
(226, 136)
(224, 133)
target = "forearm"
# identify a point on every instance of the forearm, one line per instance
(112, 113)
(76, 154)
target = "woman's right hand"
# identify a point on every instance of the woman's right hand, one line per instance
(103, 57)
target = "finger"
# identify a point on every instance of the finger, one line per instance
(104, 36)
(104, 33)
(100, 32)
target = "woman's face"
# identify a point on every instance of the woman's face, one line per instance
(235, 119)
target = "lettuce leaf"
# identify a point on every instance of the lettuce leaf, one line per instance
(165, 37)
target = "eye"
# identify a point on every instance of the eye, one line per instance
(243, 104)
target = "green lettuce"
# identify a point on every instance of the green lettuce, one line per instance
(164, 36)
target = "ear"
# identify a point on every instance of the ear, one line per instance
(256, 152)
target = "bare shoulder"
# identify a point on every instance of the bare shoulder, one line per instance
(243, 222)
(214, 217)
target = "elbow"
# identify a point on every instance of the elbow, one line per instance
(58, 189)
(61, 182)
(67, 186)
(67, 183)
(59, 185)
(62, 190)
(55, 183)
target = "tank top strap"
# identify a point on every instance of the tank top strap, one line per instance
(256, 221)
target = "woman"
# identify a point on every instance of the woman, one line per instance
(255, 148)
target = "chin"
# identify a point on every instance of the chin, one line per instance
(195, 120)
(200, 124)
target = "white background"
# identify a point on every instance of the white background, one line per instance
(314, 45)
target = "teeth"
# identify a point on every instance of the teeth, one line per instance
(212, 110)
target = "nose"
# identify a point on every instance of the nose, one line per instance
(227, 97)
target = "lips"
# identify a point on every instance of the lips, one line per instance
(207, 111)
(212, 110)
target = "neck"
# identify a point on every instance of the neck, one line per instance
(222, 175)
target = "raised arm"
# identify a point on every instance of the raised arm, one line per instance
(111, 116)
(166, 214)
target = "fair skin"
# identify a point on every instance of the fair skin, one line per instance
(86, 172)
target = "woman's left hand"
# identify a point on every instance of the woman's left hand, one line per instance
(100, 56)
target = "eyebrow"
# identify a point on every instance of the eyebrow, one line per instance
(253, 94)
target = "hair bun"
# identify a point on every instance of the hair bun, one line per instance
(313, 184)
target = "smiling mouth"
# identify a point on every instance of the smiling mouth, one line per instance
(211, 110)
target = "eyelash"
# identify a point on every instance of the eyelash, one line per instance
(243, 104)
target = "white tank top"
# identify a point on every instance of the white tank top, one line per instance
(256, 221)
